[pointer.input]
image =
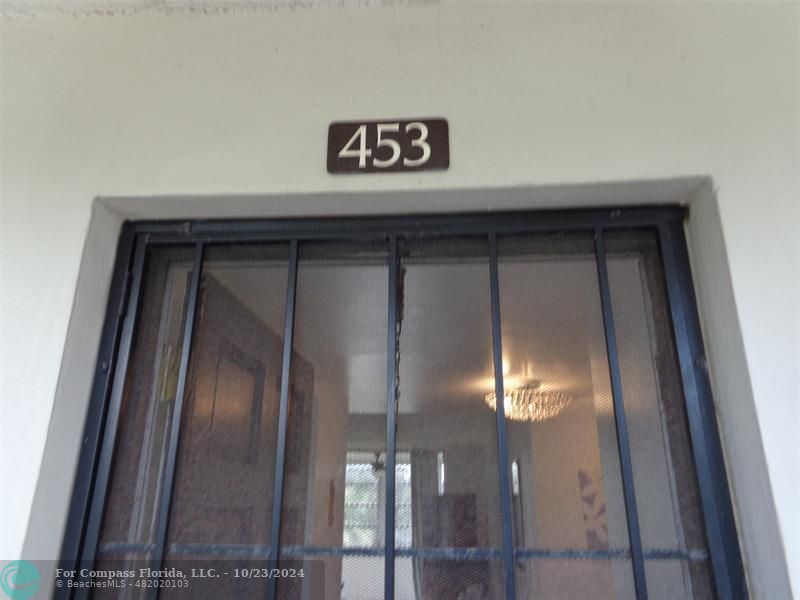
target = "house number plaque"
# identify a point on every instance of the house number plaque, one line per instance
(389, 145)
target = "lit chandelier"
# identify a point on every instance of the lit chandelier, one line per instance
(530, 404)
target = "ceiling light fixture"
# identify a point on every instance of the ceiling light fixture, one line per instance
(530, 404)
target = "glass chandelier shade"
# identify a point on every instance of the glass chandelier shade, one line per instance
(530, 404)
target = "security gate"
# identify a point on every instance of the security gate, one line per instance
(508, 405)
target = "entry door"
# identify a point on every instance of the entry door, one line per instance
(412, 409)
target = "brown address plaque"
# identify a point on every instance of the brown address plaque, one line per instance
(388, 146)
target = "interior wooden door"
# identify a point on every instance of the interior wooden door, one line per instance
(232, 399)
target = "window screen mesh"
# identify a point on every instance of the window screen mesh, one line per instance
(334, 494)
(229, 426)
(568, 494)
(327, 576)
(442, 579)
(663, 468)
(445, 369)
(117, 561)
(574, 579)
(566, 509)
(138, 468)
(215, 586)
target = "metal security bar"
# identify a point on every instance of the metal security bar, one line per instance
(709, 462)
(623, 440)
(502, 445)
(177, 414)
(260, 550)
(391, 419)
(283, 414)
(81, 542)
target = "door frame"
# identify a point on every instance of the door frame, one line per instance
(122, 311)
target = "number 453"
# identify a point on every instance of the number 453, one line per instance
(362, 152)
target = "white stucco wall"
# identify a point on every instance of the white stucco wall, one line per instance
(536, 95)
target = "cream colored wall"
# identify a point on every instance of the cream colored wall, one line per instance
(537, 95)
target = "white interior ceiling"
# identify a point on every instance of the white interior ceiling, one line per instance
(551, 328)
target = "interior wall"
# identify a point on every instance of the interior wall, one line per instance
(194, 115)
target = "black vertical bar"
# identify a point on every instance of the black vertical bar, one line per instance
(706, 447)
(165, 500)
(103, 382)
(623, 440)
(502, 446)
(283, 416)
(92, 532)
(391, 421)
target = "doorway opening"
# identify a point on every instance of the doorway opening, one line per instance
(450, 406)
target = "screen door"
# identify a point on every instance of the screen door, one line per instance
(432, 408)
